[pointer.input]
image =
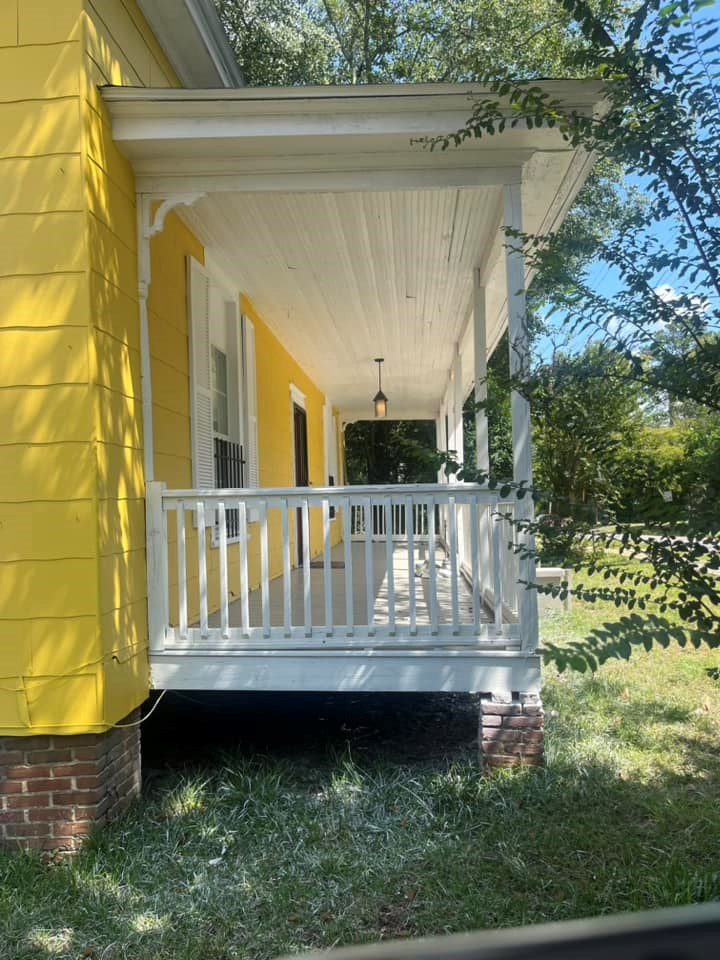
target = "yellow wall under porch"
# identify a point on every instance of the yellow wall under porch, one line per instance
(276, 370)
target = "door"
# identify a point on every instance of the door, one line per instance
(302, 478)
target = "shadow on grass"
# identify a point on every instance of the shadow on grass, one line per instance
(276, 823)
(403, 728)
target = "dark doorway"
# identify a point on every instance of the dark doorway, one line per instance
(302, 478)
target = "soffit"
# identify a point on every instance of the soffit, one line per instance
(352, 239)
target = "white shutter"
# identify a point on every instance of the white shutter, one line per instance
(253, 472)
(198, 298)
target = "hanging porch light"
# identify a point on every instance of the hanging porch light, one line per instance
(380, 401)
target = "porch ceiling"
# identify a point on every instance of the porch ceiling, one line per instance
(352, 240)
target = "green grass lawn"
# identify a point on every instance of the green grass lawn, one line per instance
(269, 831)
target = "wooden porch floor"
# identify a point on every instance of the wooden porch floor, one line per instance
(401, 583)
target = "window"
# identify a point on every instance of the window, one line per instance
(220, 393)
(222, 381)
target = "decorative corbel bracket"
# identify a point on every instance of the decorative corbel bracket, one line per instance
(157, 222)
(150, 224)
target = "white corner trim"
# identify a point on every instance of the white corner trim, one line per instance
(297, 396)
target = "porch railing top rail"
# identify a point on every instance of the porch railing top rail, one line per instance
(412, 593)
(476, 491)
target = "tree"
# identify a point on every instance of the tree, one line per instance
(497, 410)
(378, 41)
(587, 420)
(279, 42)
(391, 451)
(659, 311)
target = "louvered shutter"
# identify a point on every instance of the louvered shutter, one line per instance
(251, 403)
(203, 465)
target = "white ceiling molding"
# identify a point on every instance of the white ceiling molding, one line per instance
(193, 38)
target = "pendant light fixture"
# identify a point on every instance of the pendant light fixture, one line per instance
(380, 401)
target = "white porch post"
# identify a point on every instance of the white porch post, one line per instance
(519, 368)
(440, 439)
(457, 398)
(459, 439)
(482, 447)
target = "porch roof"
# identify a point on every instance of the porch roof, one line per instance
(353, 239)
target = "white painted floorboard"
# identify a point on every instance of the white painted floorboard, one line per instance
(360, 607)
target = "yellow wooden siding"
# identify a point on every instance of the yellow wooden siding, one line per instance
(119, 49)
(72, 572)
(72, 562)
(33, 128)
(45, 530)
(276, 370)
(8, 23)
(40, 184)
(42, 22)
(49, 300)
(46, 471)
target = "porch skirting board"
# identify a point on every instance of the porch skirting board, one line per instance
(55, 789)
(351, 671)
(512, 729)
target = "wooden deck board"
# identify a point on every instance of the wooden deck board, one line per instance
(380, 589)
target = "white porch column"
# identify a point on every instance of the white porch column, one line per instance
(519, 368)
(482, 446)
(459, 440)
(440, 440)
(457, 398)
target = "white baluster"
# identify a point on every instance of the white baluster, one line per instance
(244, 588)
(497, 530)
(369, 573)
(452, 515)
(222, 546)
(475, 564)
(202, 569)
(348, 511)
(410, 527)
(433, 568)
(327, 567)
(264, 569)
(389, 556)
(287, 569)
(307, 595)
(182, 570)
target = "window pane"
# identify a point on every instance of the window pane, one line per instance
(219, 391)
(219, 371)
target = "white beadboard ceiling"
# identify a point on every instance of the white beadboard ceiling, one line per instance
(342, 278)
(350, 236)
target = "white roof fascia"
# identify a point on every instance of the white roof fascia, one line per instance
(320, 130)
(580, 93)
(193, 38)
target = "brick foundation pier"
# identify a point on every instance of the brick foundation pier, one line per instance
(512, 730)
(55, 789)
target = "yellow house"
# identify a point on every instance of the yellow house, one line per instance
(196, 278)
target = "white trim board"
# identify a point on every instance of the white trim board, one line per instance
(361, 671)
(298, 397)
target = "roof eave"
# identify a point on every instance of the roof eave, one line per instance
(193, 38)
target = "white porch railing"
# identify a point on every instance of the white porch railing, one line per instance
(393, 524)
(434, 566)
